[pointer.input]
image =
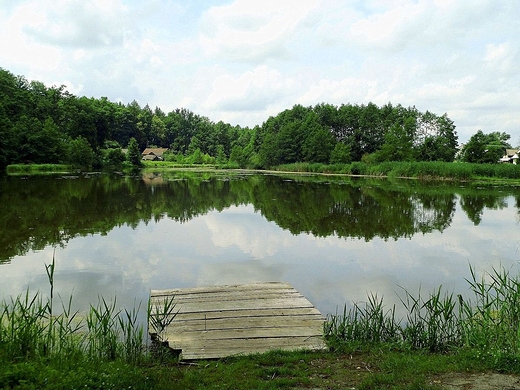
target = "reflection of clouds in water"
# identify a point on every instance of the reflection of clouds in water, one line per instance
(250, 271)
(240, 246)
(239, 228)
(25, 272)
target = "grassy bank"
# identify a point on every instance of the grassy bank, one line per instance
(47, 347)
(275, 370)
(421, 170)
(33, 169)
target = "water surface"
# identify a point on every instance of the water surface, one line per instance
(335, 239)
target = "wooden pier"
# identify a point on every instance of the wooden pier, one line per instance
(221, 321)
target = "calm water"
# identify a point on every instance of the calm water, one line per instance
(333, 239)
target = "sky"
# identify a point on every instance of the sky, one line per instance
(241, 61)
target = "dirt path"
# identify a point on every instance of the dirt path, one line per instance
(480, 381)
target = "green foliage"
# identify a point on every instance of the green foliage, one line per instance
(364, 325)
(133, 154)
(238, 156)
(37, 122)
(24, 169)
(80, 153)
(340, 154)
(426, 170)
(485, 148)
(112, 157)
(397, 147)
(221, 156)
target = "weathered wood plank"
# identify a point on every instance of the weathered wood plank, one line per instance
(249, 304)
(246, 333)
(245, 323)
(228, 293)
(223, 348)
(213, 289)
(244, 314)
(201, 298)
(222, 321)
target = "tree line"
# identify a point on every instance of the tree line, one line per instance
(40, 124)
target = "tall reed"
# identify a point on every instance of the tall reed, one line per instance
(488, 323)
(432, 323)
(492, 322)
(370, 323)
(30, 329)
(429, 170)
(161, 314)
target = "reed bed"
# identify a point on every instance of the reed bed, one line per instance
(429, 170)
(488, 323)
(31, 330)
(25, 169)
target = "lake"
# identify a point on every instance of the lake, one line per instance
(335, 239)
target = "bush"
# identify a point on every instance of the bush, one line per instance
(358, 168)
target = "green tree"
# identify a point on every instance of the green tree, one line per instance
(221, 157)
(435, 138)
(112, 155)
(80, 153)
(133, 154)
(48, 143)
(485, 148)
(77, 118)
(196, 157)
(340, 154)
(5, 138)
(158, 132)
(318, 141)
(398, 145)
(238, 156)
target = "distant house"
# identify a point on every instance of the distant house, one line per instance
(153, 154)
(511, 156)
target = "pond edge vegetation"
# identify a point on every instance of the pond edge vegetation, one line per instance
(483, 331)
(428, 171)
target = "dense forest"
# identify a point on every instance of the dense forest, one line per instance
(40, 124)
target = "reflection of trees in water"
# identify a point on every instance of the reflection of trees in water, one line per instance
(355, 211)
(37, 211)
(432, 212)
(474, 204)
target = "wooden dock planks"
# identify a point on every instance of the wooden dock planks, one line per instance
(221, 321)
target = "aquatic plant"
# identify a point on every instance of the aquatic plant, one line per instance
(487, 324)
(30, 328)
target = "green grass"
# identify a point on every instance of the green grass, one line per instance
(45, 347)
(31, 169)
(434, 170)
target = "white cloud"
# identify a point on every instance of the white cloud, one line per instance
(251, 91)
(394, 29)
(253, 31)
(243, 61)
(77, 23)
(502, 59)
